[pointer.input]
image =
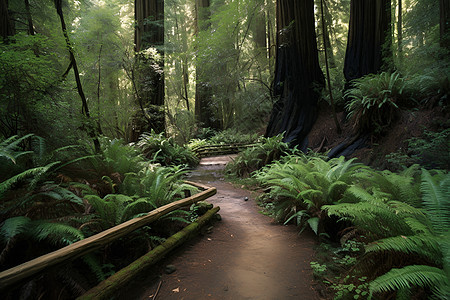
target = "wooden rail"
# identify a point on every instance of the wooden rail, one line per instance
(211, 150)
(110, 286)
(80, 248)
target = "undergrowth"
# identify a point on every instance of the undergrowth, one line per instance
(385, 234)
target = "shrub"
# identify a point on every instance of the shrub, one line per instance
(374, 101)
(263, 153)
(302, 185)
(165, 151)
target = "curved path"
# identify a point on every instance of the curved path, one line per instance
(245, 256)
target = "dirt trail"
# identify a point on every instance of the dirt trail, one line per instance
(246, 256)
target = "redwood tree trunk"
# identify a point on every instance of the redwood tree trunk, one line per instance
(149, 32)
(298, 78)
(203, 92)
(6, 25)
(368, 44)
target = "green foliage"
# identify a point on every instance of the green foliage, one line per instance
(263, 153)
(17, 228)
(233, 136)
(10, 148)
(374, 101)
(408, 277)
(432, 150)
(165, 151)
(160, 184)
(118, 157)
(301, 186)
(419, 235)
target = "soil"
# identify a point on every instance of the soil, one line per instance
(409, 124)
(246, 255)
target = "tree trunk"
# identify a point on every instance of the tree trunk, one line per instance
(326, 51)
(6, 25)
(400, 29)
(327, 40)
(203, 91)
(444, 23)
(29, 19)
(149, 32)
(85, 109)
(298, 78)
(368, 44)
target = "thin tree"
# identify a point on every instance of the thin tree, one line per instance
(298, 79)
(203, 92)
(91, 130)
(400, 29)
(444, 6)
(325, 45)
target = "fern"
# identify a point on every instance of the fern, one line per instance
(409, 276)
(436, 199)
(10, 149)
(35, 173)
(14, 226)
(425, 245)
(55, 233)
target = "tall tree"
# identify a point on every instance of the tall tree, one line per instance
(91, 130)
(149, 33)
(6, 26)
(298, 78)
(369, 38)
(445, 23)
(203, 91)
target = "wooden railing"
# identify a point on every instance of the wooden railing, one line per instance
(87, 245)
(220, 149)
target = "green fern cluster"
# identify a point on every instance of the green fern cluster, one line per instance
(374, 101)
(263, 153)
(165, 151)
(150, 188)
(414, 234)
(402, 218)
(301, 186)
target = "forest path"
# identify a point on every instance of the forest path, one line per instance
(245, 256)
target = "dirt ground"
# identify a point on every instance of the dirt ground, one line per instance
(246, 255)
(409, 124)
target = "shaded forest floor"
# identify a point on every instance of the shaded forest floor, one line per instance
(409, 124)
(247, 255)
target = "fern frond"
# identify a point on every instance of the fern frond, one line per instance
(55, 233)
(407, 277)
(137, 208)
(92, 262)
(9, 183)
(436, 202)
(14, 226)
(425, 245)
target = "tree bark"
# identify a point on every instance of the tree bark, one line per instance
(203, 92)
(298, 79)
(330, 90)
(29, 19)
(368, 44)
(400, 29)
(149, 32)
(6, 25)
